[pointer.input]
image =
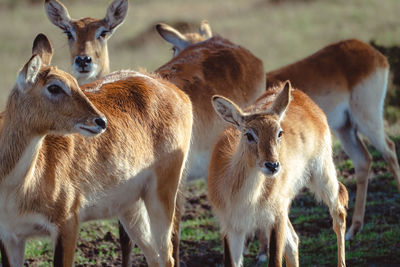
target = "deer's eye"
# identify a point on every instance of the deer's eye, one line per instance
(280, 134)
(175, 50)
(103, 34)
(69, 35)
(250, 137)
(54, 89)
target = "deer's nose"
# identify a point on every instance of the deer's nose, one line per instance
(272, 166)
(83, 61)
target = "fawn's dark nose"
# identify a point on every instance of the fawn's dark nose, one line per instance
(102, 123)
(83, 61)
(272, 166)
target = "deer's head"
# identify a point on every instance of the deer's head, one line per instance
(261, 131)
(49, 100)
(87, 37)
(182, 40)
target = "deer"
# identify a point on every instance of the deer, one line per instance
(348, 80)
(72, 154)
(273, 149)
(87, 37)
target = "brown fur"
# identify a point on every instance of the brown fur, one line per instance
(149, 128)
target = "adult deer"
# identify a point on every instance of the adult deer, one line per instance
(348, 81)
(52, 177)
(87, 38)
(274, 149)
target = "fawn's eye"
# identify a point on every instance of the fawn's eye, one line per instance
(174, 50)
(250, 137)
(54, 89)
(280, 134)
(69, 35)
(103, 34)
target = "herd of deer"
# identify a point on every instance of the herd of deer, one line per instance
(119, 144)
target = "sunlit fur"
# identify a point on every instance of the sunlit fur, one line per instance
(215, 66)
(348, 81)
(244, 199)
(50, 181)
(86, 37)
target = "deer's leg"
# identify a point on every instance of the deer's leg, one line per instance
(233, 248)
(355, 148)
(135, 222)
(263, 249)
(334, 194)
(160, 200)
(180, 200)
(65, 243)
(12, 252)
(126, 246)
(277, 241)
(291, 246)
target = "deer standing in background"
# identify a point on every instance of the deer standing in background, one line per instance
(87, 38)
(52, 177)
(348, 81)
(274, 149)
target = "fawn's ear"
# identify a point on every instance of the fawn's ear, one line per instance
(28, 75)
(58, 14)
(42, 47)
(205, 29)
(116, 13)
(173, 36)
(228, 110)
(282, 101)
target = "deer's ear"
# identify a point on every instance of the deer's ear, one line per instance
(205, 29)
(28, 75)
(172, 36)
(228, 110)
(116, 13)
(42, 47)
(282, 101)
(58, 14)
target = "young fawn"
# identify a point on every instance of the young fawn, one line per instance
(87, 38)
(348, 81)
(276, 147)
(52, 177)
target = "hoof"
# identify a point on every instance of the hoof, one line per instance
(261, 259)
(355, 228)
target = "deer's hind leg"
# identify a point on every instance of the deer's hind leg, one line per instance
(325, 186)
(160, 200)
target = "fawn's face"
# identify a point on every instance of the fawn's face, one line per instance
(51, 100)
(87, 37)
(261, 130)
(262, 135)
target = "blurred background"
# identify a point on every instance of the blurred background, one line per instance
(277, 31)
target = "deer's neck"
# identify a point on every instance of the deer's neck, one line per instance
(19, 149)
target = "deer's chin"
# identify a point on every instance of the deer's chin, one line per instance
(88, 131)
(87, 73)
(270, 174)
